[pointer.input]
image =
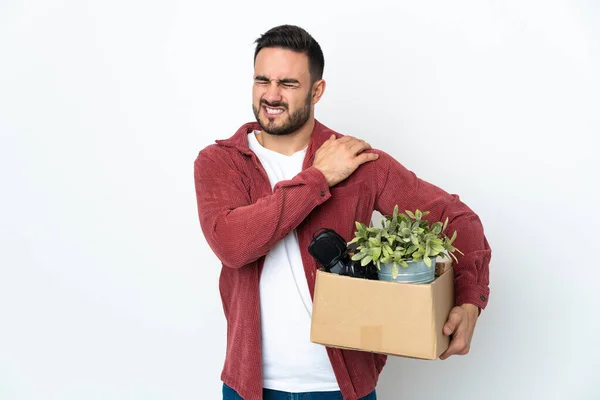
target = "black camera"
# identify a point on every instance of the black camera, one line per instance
(330, 250)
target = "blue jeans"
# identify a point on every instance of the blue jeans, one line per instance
(270, 394)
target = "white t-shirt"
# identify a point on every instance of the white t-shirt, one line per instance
(291, 362)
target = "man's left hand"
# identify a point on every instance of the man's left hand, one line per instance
(461, 324)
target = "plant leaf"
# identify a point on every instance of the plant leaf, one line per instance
(453, 256)
(366, 260)
(437, 248)
(391, 239)
(376, 253)
(453, 237)
(385, 252)
(410, 214)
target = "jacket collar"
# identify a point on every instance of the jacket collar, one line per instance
(239, 140)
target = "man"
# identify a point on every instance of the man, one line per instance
(264, 191)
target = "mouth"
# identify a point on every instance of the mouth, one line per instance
(273, 111)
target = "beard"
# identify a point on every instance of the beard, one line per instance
(294, 121)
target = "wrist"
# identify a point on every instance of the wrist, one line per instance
(472, 309)
(330, 182)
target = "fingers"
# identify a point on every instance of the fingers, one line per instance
(339, 158)
(351, 143)
(366, 157)
(345, 139)
(453, 321)
(457, 327)
(458, 345)
(357, 146)
(329, 141)
(354, 146)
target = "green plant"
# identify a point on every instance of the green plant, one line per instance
(402, 238)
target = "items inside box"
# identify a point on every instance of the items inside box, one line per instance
(331, 251)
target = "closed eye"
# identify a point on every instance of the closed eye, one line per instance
(289, 83)
(261, 80)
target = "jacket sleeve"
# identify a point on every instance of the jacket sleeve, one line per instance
(398, 185)
(239, 231)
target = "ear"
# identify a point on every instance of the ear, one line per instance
(317, 90)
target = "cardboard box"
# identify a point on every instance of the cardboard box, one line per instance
(442, 265)
(382, 317)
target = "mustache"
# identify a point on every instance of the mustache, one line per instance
(274, 104)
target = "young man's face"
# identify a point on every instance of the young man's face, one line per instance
(282, 95)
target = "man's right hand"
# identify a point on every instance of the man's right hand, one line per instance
(337, 159)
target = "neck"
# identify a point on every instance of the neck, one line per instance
(288, 144)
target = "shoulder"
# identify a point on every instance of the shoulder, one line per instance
(212, 154)
(383, 162)
(223, 149)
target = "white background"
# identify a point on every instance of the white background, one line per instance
(107, 287)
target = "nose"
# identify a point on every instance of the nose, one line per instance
(273, 93)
